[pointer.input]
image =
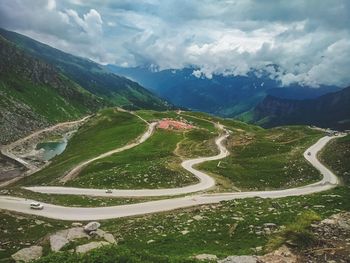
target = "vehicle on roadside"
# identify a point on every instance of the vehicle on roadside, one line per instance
(36, 206)
(108, 191)
(309, 153)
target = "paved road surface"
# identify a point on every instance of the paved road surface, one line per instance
(73, 213)
(205, 181)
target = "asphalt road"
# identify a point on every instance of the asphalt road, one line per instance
(99, 213)
(205, 181)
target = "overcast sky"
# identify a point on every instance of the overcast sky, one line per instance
(309, 40)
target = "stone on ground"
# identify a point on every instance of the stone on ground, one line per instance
(28, 254)
(57, 242)
(109, 238)
(76, 233)
(206, 257)
(90, 246)
(92, 226)
(239, 259)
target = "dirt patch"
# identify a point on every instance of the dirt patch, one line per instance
(240, 140)
(169, 124)
(21, 158)
(9, 169)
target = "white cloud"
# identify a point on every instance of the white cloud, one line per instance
(51, 4)
(308, 41)
(112, 24)
(91, 22)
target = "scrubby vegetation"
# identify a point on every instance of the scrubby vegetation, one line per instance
(17, 231)
(296, 233)
(113, 254)
(230, 228)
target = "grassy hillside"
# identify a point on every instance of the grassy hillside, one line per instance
(267, 159)
(34, 94)
(229, 228)
(149, 165)
(336, 156)
(156, 162)
(107, 130)
(90, 75)
(259, 159)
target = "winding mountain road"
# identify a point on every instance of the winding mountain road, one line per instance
(205, 181)
(328, 181)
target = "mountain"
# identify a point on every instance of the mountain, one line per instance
(91, 76)
(221, 95)
(35, 94)
(329, 111)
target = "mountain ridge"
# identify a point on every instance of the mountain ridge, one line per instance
(226, 96)
(329, 111)
(117, 90)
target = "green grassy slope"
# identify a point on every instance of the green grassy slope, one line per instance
(149, 165)
(90, 75)
(34, 94)
(267, 159)
(336, 156)
(107, 130)
(229, 228)
(156, 162)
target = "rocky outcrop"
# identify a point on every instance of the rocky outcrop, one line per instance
(28, 254)
(92, 226)
(206, 257)
(332, 244)
(21, 76)
(90, 231)
(332, 240)
(63, 237)
(57, 242)
(281, 255)
(17, 119)
(90, 246)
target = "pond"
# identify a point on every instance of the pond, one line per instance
(51, 149)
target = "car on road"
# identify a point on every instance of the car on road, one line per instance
(309, 153)
(36, 206)
(108, 191)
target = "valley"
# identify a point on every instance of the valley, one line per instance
(119, 171)
(174, 131)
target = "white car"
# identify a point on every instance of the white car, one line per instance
(108, 191)
(36, 206)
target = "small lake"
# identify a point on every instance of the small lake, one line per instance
(51, 149)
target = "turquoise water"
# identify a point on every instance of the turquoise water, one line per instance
(51, 149)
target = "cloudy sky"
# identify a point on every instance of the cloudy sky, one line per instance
(309, 40)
